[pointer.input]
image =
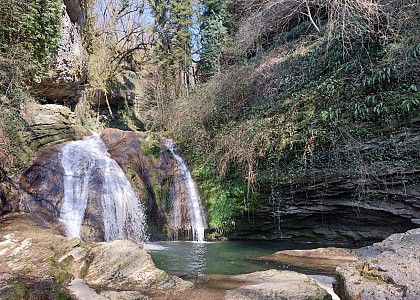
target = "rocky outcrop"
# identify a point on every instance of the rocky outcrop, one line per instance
(273, 284)
(68, 69)
(315, 261)
(360, 191)
(50, 124)
(46, 126)
(148, 165)
(41, 263)
(386, 270)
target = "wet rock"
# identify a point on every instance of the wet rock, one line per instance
(385, 270)
(320, 260)
(153, 173)
(275, 284)
(150, 168)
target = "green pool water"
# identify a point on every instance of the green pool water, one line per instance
(224, 258)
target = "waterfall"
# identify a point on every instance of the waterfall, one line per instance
(194, 209)
(86, 165)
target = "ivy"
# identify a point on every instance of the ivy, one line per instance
(32, 26)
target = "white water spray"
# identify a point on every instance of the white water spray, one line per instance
(122, 212)
(194, 209)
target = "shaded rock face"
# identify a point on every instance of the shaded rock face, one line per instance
(361, 200)
(386, 270)
(336, 215)
(68, 69)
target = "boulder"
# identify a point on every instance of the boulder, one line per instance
(386, 270)
(42, 263)
(277, 285)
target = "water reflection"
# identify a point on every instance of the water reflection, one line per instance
(197, 259)
(194, 259)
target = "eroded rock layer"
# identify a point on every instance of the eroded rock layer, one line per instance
(360, 191)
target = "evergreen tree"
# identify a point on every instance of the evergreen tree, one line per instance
(214, 35)
(174, 20)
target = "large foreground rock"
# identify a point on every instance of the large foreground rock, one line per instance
(38, 262)
(387, 270)
(277, 285)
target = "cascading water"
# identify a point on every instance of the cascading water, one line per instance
(122, 213)
(194, 209)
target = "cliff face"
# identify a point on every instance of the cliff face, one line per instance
(359, 201)
(317, 116)
(68, 69)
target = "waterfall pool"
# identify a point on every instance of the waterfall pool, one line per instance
(210, 265)
(192, 259)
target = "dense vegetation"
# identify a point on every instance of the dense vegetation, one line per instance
(299, 94)
(258, 93)
(29, 36)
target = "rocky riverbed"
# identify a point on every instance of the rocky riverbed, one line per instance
(38, 263)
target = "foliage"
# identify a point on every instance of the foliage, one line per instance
(12, 155)
(225, 199)
(270, 117)
(32, 27)
(150, 146)
(214, 37)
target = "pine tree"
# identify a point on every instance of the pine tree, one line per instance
(214, 35)
(174, 20)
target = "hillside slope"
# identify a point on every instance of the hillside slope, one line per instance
(312, 129)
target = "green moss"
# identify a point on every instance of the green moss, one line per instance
(370, 273)
(15, 290)
(63, 296)
(150, 147)
(224, 199)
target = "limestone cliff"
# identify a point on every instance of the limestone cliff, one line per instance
(365, 191)
(68, 69)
